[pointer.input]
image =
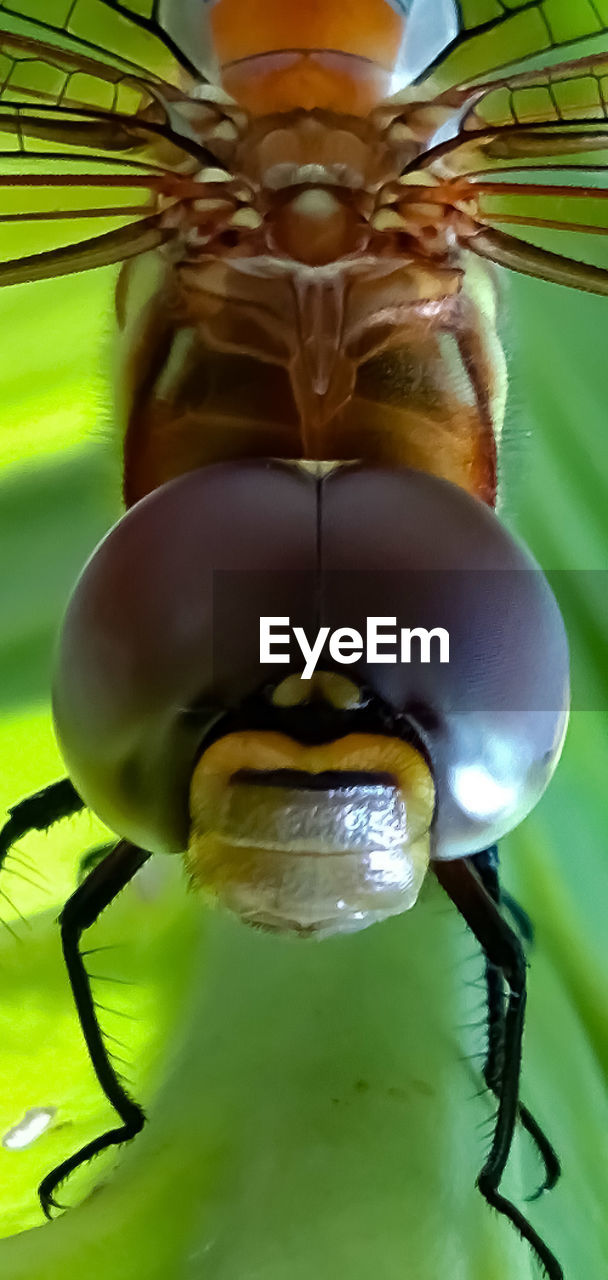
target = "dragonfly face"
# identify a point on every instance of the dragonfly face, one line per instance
(162, 705)
(305, 279)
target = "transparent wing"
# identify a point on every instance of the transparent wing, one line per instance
(565, 92)
(482, 36)
(527, 158)
(79, 189)
(89, 153)
(38, 71)
(128, 34)
(60, 214)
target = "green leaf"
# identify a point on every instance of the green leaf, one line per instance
(313, 1108)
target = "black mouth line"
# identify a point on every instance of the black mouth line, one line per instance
(325, 780)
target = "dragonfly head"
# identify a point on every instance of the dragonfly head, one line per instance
(310, 795)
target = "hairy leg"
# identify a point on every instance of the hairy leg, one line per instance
(38, 812)
(487, 867)
(86, 904)
(504, 951)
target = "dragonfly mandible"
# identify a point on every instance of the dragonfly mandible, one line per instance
(306, 206)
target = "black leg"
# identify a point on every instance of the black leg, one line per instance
(101, 886)
(487, 867)
(39, 812)
(487, 864)
(504, 951)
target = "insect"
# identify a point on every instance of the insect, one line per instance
(311, 390)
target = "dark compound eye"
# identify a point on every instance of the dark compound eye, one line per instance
(166, 618)
(153, 630)
(493, 716)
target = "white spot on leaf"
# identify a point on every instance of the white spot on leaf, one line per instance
(34, 1123)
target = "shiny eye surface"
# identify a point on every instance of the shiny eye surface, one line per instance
(141, 646)
(162, 639)
(493, 716)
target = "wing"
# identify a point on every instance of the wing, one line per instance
(525, 162)
(91, 151)
(129, 34)
(472, 38)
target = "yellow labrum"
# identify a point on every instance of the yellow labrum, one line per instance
(311, 839)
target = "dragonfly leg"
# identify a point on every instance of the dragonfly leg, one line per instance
(487, 868)
(86, 904)
(504, 952)
(38, 812)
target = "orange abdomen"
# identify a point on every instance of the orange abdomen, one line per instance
(316, 53)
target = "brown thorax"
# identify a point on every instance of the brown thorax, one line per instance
(313, 188)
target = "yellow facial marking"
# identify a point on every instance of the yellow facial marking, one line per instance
(362, 752)
(319, 859)
(336, 690)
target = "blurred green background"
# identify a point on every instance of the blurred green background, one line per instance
(314, 1109)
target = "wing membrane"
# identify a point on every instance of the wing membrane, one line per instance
(542, 205)
(567, 92)
(50, 200)
(68, 176)
(516, 116)
(527, 157)
(493, 34)
(87, 150)
(571, 221)
(129, 34)
(65, 179)
(92, 251)
(38, 72)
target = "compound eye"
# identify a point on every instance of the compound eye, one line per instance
(162, 638)
(486, 674)
(157, 642)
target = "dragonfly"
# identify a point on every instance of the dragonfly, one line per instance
(306, 208)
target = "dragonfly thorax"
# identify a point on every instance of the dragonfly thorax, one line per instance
(313, 187)
(332, 147)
